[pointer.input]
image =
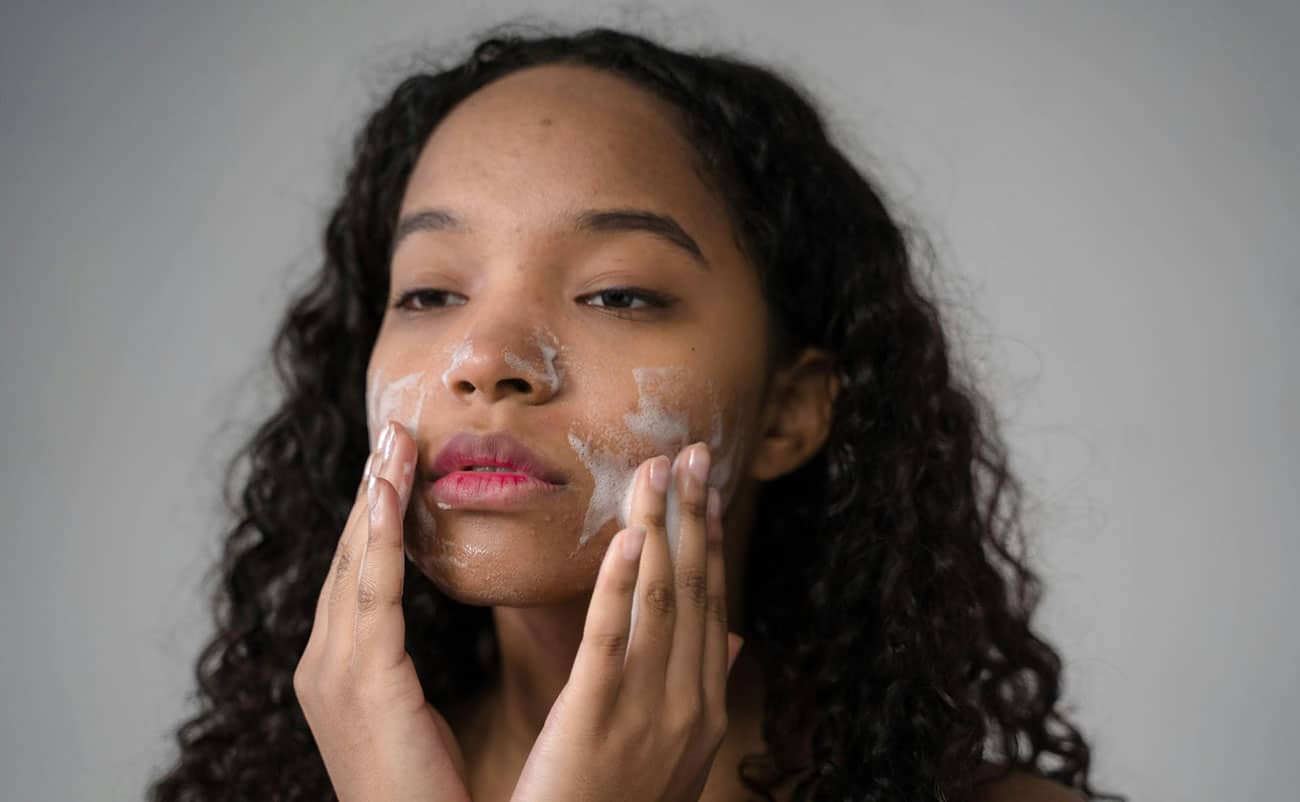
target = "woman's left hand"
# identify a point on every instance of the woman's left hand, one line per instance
(640, 720)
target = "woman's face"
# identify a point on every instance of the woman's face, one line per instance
(516, 307)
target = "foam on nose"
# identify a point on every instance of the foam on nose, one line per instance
(458, 356)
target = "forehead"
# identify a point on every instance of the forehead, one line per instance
(537, 143)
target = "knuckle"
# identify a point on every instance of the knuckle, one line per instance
(694, 507)
(717, 608)
(684, 721)
(623, 585)
(660, 597)
(610, 644)
(367, 597)
(341, 564)
(694, 585)
(653, 519)
(303, 680)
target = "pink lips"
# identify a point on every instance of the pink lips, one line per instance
(527, 475)
(462, 489)
(497, 449)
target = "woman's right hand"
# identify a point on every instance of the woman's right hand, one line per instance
(380, 739)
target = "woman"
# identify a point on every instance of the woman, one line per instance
(614, 361)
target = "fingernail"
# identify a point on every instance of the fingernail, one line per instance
(365, 472)
(697, 463)
(633, 540)
(389, 437)
(659, 474)
(372, 493)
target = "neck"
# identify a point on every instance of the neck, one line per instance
(538, 646)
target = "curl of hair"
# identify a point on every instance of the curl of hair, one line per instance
(898, 633)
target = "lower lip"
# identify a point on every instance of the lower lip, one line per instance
(489, 489)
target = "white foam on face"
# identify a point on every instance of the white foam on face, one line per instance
(613, 466)
(549, 375)
(403, 400)
(458, 356)
(612, 475)
(651, 418)
(670, 431)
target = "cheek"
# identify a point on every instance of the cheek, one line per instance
(730, 422)
(397, 392)
(672, 407)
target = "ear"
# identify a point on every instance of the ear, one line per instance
(796, 418)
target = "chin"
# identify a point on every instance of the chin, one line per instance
(479, 589)
(487, 563)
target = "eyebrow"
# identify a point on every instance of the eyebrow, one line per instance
(587, 221)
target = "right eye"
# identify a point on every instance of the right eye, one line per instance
(419, 300)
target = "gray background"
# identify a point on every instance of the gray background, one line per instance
(1111, 189)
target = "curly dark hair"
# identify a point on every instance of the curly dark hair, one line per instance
(899, 636)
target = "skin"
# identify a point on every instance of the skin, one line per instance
(510, 333)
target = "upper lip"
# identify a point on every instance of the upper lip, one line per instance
(498, 449)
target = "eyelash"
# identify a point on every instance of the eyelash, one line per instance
(653, 300)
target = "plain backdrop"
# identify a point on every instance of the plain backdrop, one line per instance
(1111, 189)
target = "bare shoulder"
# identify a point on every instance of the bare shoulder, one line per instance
(1020, 786)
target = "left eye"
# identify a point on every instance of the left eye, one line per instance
(616, 297)
(417, 300)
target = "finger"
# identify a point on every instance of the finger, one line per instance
(716, 663)
(380, 636)
(400, 468)
(639, 480)
(343, 595)
(655, 595)
(598, 667)
(320, 622)
(685, 673)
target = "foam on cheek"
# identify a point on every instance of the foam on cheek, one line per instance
(403, 400)
(652, 419)
(613, 468)
(612, 475)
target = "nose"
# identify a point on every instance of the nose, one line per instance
(494, 369)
